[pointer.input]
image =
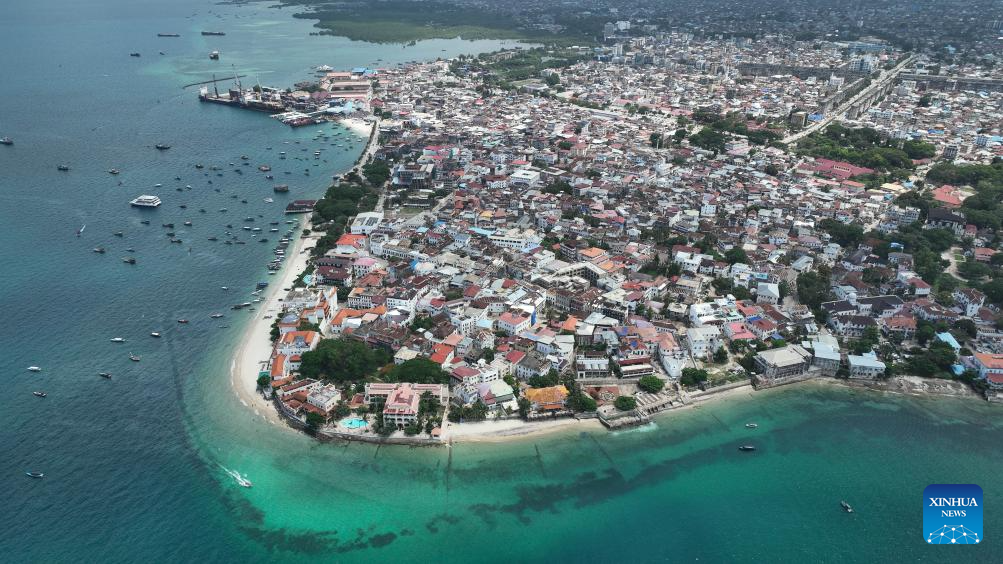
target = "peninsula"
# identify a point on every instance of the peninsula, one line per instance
(538, 237)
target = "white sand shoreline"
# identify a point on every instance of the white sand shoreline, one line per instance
(255, 347)
(358, 126)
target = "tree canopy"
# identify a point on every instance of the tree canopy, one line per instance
(342, 360)
(417, 371)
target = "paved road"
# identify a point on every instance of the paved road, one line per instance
(838, 112)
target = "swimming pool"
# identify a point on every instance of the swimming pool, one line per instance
(353, 423)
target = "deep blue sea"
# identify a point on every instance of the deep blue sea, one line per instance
(132, 463)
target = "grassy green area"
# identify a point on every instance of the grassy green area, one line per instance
(403, 22)
(387, 31)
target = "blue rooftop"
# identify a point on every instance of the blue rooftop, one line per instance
(949, 339)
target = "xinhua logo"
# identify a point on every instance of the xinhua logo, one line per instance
(952, 514)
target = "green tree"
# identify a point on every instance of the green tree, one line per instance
(736, 255)
(417, 371)
(264, 381)
(524, 406)
(693, 376)
(341, 410)
(651, 384)
(314, 420)
(813, 289)
(721, 356)
(342, 360)
(625, 403)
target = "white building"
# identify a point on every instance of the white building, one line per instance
(703, 341)
(865, 367)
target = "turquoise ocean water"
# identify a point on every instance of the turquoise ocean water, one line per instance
(132, 464)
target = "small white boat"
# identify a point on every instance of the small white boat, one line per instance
(155, 334)
(34, 369)
(117, 340)
(751, 425)
(242, 480)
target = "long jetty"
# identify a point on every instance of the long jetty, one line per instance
(211, 81)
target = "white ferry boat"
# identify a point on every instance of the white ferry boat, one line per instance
(146, 201)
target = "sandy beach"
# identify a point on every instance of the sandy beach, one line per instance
(358, 126)
(513, 429)
(255, 346)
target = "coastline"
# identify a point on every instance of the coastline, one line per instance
(514, 429)
(358, 126)
(255, 348)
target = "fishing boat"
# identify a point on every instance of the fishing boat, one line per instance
(118, 234)
(214, 56)
(81, 230)
(34, 369)
(128, 260)
(99, 250)
(264, 168)
(105, 375)
(846, 506)
(133, 54)
(182, 321)
(162, 147)
(751, 426)
(34, 474)
(63, 168)
(134, 358)
(6, 141)
(746, 448)
(216, 315)
(39, 394)
(155, 335)
(117, 340)
(213, 33)
(113, 171)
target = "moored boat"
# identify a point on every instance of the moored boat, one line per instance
(34, 474)
(145, 201)
(105, 375)
(746, 448)
(40, 394)
(751, 425)
(134, 358)
(846, 506)
(34, 369)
